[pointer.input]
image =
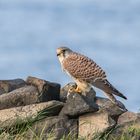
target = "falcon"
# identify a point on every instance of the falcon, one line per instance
(86, 73)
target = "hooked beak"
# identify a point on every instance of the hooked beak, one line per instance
(58, 54)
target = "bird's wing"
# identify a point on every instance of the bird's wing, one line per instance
(83, 68)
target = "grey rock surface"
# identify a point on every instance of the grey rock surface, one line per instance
(106, 105)
(92, 124)
(19, 97)
(48, 90)
(65, 91)
(101, 121)
(54, 128)
(22, 114)
(128, 117)
(77, 105)
(9, 85)
(128, 125)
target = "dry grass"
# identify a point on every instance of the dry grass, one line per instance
(20, 133)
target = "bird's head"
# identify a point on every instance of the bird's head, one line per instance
(63, 52)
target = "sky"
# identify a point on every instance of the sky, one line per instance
(104, 30)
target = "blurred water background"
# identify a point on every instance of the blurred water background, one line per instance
(107, 31)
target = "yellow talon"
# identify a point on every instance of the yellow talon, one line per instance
(75, 89)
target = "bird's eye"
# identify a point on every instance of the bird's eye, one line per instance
(58, 54)
(63, 51)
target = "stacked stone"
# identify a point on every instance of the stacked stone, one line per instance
(59, 110)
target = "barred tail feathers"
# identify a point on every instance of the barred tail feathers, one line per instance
(114, 91)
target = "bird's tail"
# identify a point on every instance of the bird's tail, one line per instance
(116, 102)
(111, 89)
(108, 88)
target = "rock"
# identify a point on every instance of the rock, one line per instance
(9, 85)
(22, 114)
(107, 106)
(48, 90)
(100, 122)
(65, 92)
(20, 97)
(54, 128)
(128, 117)
(77, 105)
(94, 123)
(128, 126)
(91, 95)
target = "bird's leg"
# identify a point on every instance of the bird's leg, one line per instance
(78, 90)
(75, 89)
(72, 88)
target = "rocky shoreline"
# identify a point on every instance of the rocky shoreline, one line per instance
(58, 111)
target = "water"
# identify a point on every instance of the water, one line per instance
(106, 31)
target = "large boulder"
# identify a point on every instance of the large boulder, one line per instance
(48, 90)
(100, 122)
(128, 117)
(128, 126)
(54, 128)
(65, 91)
(19, 97)
(77, 105)
(9, 85)
(22, 114)
(94, 123)
(112, 109)
(36, 91)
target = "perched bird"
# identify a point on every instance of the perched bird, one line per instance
(86, 73)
